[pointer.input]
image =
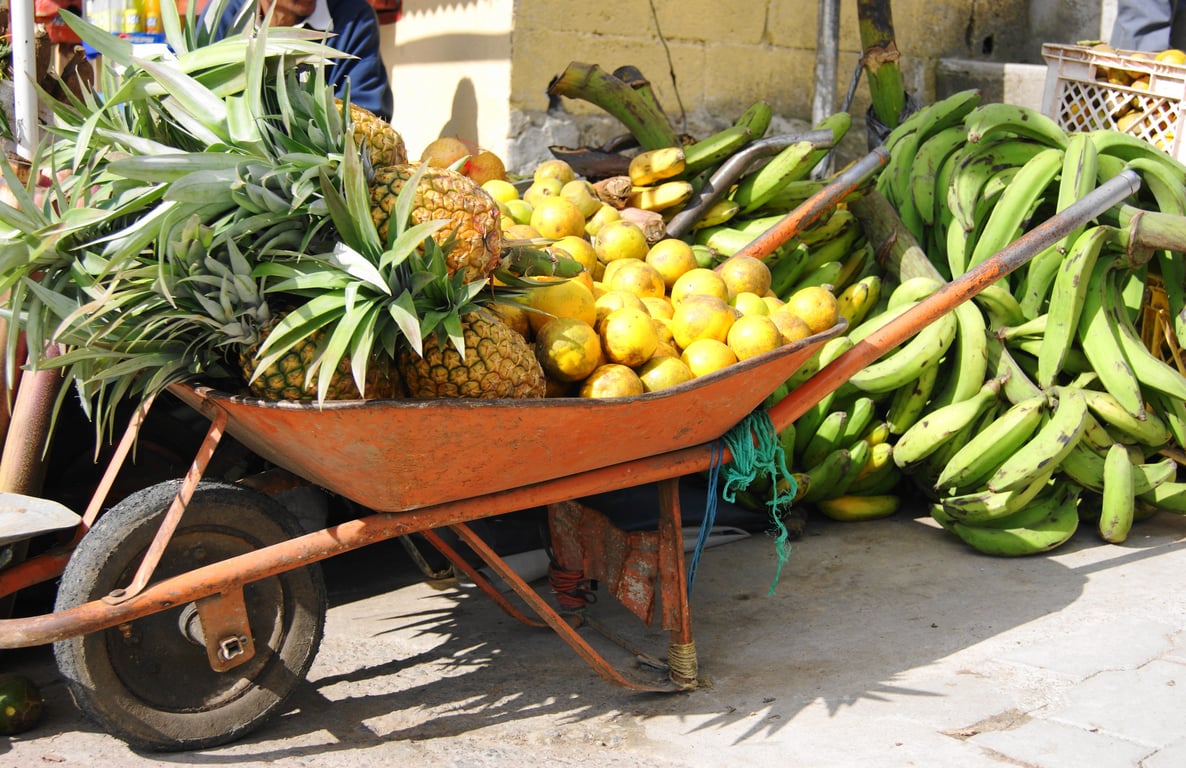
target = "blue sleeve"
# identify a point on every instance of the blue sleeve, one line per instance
(356, 30)
(228, 15)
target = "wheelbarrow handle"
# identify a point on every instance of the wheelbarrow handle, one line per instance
(813, 208)
(954, 293)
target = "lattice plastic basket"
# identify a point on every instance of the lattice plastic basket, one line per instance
(1089, 88)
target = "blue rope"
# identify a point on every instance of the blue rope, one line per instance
(710, 511)
(754, 445)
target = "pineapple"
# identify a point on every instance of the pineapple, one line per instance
(286, 378)
(188, 222)
(497, 362)
(384, 144)
(445, 194)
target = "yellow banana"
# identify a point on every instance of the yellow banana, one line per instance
(855, 508)
(855, 301)
(660, 197)
(655, 165)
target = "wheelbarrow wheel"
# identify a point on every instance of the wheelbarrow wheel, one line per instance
(149, 682)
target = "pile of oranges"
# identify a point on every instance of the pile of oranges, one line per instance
(641, 316)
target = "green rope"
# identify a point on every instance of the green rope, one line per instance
(754, 445)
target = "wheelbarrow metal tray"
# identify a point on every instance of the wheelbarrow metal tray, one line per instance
(393, 455)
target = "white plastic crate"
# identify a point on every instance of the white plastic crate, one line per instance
(1080, 97)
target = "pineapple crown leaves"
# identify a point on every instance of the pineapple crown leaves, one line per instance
(357, 289)
(208, 89)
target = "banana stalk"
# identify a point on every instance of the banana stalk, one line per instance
(635, 108)
(886, 87)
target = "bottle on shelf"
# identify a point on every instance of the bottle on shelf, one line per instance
(131, 18)
(150, 14)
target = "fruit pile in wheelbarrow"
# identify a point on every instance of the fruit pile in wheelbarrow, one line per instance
(278, 243)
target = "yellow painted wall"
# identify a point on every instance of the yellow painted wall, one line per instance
(451, 71)
(476, 68)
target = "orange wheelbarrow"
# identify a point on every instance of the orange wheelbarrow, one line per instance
(189, 612)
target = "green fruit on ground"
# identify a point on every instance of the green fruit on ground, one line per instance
(21, 704)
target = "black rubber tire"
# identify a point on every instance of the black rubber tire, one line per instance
(148, 683)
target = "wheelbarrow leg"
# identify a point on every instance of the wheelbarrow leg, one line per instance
(673, 586)
(548, 613)
(480, 581)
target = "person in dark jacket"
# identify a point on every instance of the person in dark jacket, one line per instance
(355, 29)
(1149, 25)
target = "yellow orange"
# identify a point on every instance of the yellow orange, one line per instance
(745, 274)
(620, 239)
(659, 306)
(514, 315)
(663, 329)
(568, 349)
(554, 169)
(612, 380)
(698, 282)
(520, 232)
(520, 211)
(614, 300)
(582, 194)
(638, 278)
(1171, 56)
(608, 272)
(587, 280)
(501, 190)
(628, 336)
(605, 214)
(555, 217)
(816, 305)
(707, 356)
(671, 257)
(663, 372)
(792, 327)
(578, 248)
(702, 317)
(665, 349)
(562, 298)
(541, 189)
(750, 304)
(753, 335)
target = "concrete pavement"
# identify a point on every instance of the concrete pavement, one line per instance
(886, 643)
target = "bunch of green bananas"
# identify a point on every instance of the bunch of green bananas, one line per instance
(1047, 408)
(722, 192)
(832, 251)
(839, 451)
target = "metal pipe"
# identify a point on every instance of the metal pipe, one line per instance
(23, 460)
(827, 50)
(725, 176)
(24, 68)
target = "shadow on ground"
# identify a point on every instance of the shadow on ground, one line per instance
(410, 660)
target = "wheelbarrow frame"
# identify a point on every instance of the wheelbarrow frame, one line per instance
(207, 586)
